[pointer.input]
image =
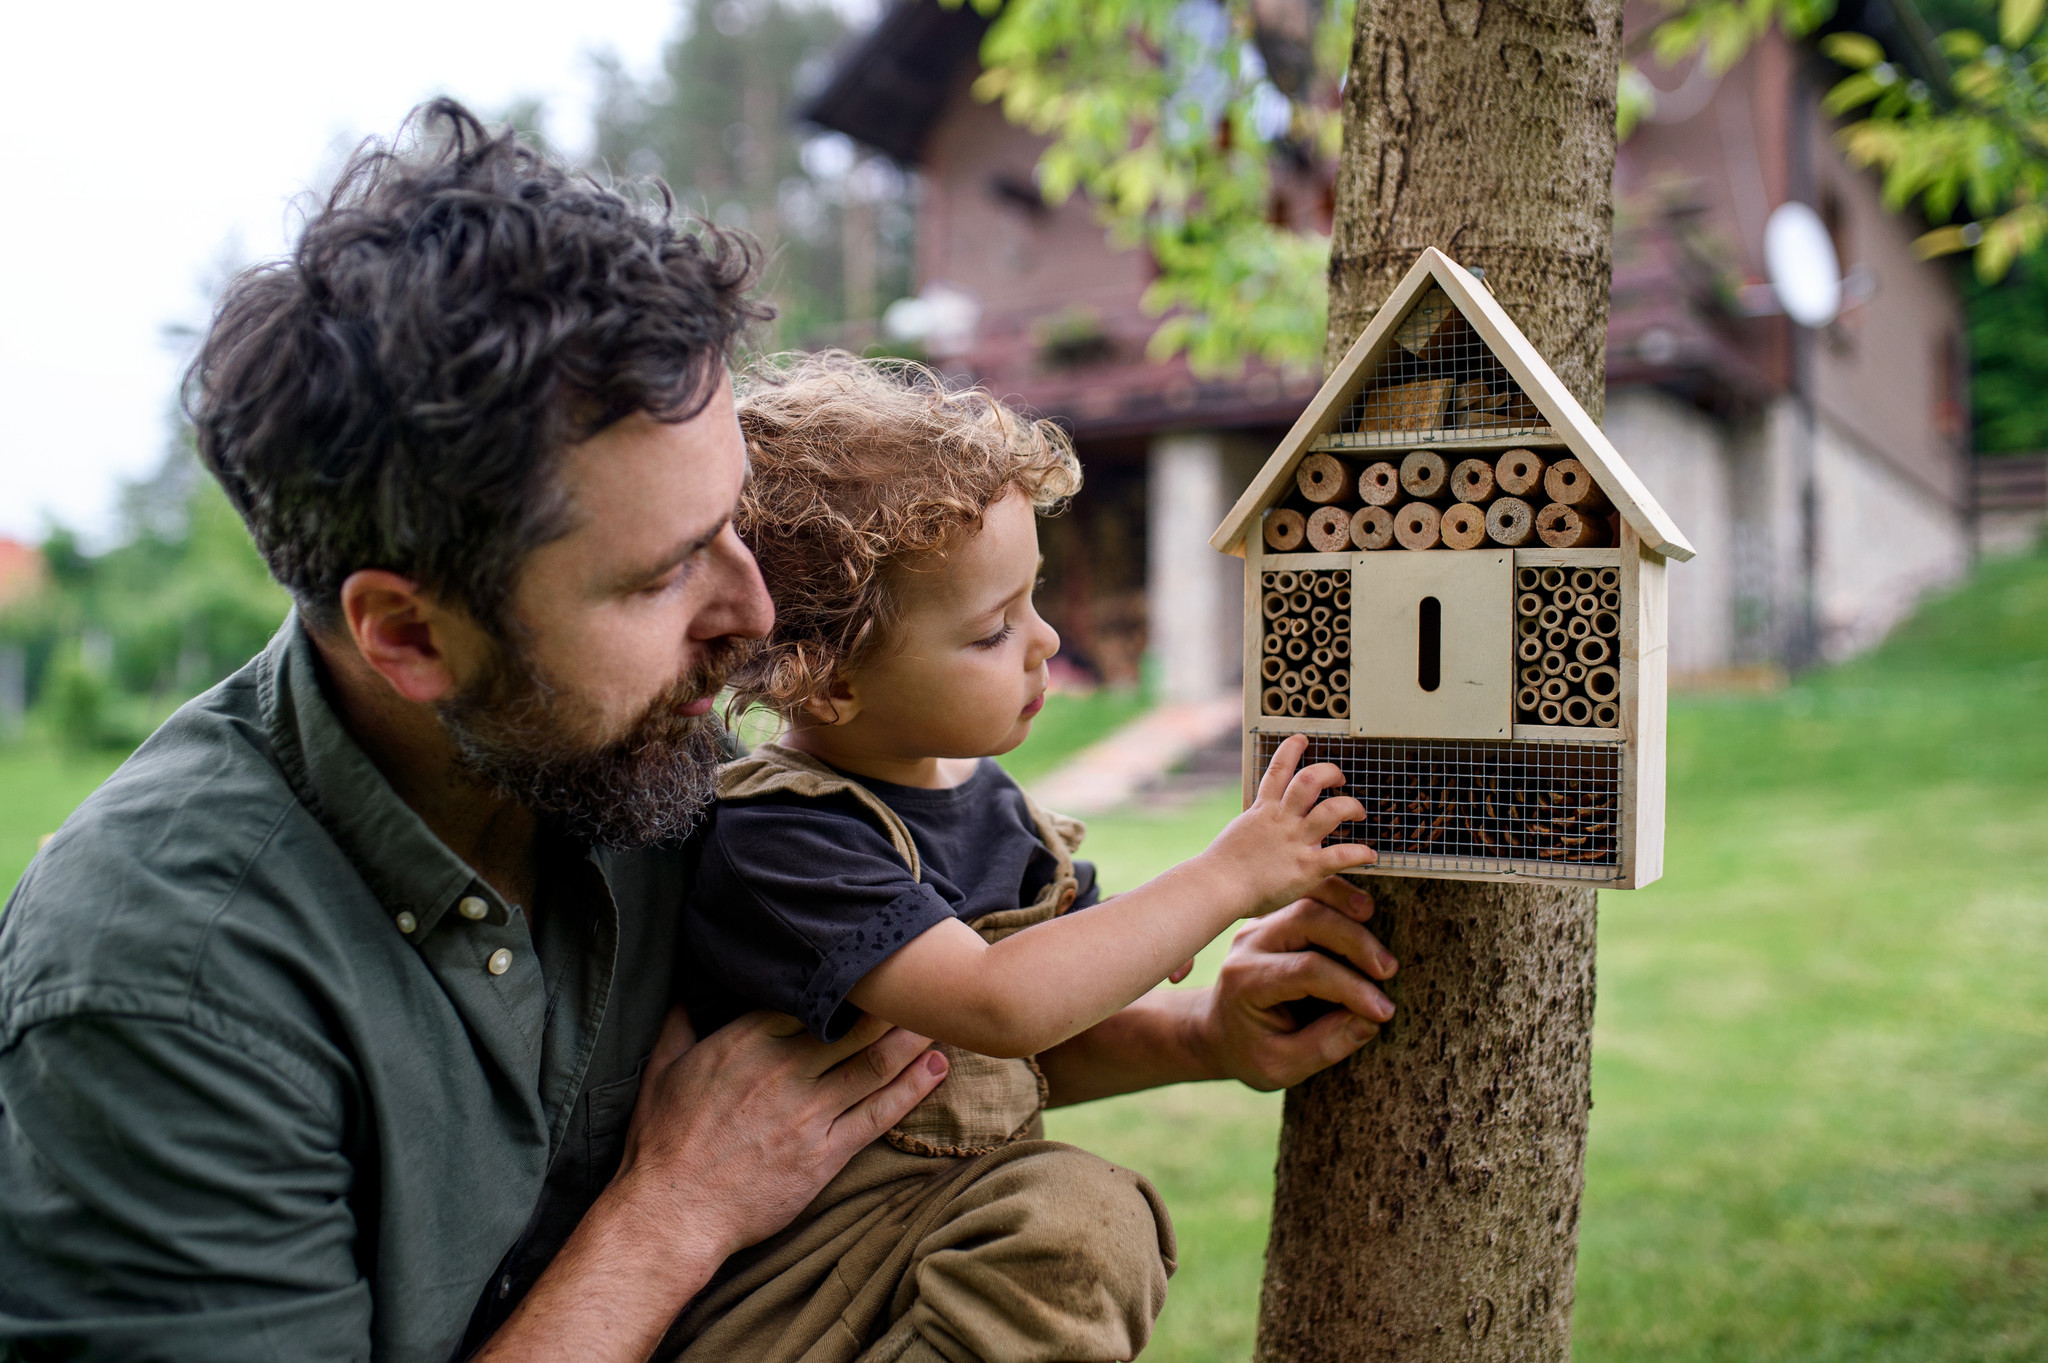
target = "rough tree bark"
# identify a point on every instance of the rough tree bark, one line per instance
(1428, 1196)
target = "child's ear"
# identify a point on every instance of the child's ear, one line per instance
(837, 704)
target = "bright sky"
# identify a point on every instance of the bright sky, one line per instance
(151, 140)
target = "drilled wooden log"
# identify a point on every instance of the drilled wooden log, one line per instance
(1372, 527)
(1424, 475)
(1519, 473)
(1562, 527)
(1379, 484)
(1322, 479)
(1284, 530)
(1416, 526)
(1472, 481)
(1510, 521)
(1463, 526)
(1568, 483)
(1329, 529)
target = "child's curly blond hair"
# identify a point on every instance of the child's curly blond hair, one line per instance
(855, 466)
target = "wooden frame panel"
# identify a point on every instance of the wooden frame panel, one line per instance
(1478, 642)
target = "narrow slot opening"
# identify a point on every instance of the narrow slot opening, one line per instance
(1429, 653)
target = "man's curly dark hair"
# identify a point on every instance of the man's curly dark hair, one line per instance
(396, 394)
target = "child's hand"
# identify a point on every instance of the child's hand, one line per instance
(1274, 851)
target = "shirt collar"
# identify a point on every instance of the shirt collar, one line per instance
(410, 870)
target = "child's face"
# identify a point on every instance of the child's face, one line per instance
(964, 670)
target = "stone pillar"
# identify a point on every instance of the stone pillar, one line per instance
(1193, 595)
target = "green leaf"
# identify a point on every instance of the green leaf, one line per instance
(2017, 20)
(1854, 50)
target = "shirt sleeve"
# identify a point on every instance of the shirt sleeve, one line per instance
(797, 900)
(166, 1193)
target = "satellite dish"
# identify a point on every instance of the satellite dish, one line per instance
(1800, 258)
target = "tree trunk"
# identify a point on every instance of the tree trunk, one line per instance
(1428, 1191)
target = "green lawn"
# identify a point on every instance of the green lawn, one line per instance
(1821, 1058)
(38, 788)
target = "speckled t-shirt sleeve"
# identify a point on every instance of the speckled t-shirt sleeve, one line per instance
(796, 900)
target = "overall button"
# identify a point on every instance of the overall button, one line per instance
(472, 908)
(406, 923)
(500, 962)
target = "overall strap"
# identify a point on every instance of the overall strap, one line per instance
(772, 769)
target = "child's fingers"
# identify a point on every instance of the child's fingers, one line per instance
(1308, 786)
(1181, 972)
(1274, 784)
(1341, 856)
(1333, 813)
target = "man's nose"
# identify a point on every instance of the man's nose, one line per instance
(738, 605)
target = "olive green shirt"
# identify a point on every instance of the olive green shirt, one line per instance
(280, 1076)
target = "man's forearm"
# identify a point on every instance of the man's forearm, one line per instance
(613, 1290)
(1160, 1039)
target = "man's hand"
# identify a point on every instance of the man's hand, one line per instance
(731, 1138)
(737, 1133)
(1247, 1031)
(1240, 1027)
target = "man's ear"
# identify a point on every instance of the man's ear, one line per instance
(406, 636)
(837, 704)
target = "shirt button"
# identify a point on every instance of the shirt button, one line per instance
(500, 962)
(470, 907)
(406, 923)
(504, 1287)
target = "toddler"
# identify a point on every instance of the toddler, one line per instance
(876, 860)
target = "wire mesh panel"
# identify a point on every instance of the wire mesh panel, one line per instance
(1541, 809)
(1305, 645)
(1437, 378)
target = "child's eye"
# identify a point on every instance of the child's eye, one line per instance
(997, 639)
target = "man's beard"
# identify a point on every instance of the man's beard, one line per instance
(648, 785)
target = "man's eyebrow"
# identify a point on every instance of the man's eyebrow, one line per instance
(641, 577)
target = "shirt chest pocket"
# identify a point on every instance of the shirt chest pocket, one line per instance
(602, 1140)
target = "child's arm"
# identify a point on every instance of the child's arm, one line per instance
(1038, 987)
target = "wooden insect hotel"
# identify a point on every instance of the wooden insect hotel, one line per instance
(1454, 586)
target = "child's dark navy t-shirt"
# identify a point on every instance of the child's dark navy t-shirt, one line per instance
(797, 899)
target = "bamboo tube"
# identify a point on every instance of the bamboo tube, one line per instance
(1579, 626)
(1288, 582)
(1290, 681)
(1267, 580)
(1518, 472)
(1273, 642)
(1318, 697)
(1340, 680)
(1463, 526)
(1341, 646)
(1568, 483)
(1554, 688)
(1550, 712)
(1273, 702)
(1610, 600)
(1322, 657)
(1579, 711)
(1557, 641)
(1553, 663)
(1275, 605)
(1531, 676)
(1552, 579)
(1322, 478)
(1320, 637)
(1607, 715)
(1529, 650)
(1380, 484)
(1340, 622)
(1610, 578)
(1372, 527)
(1472, 481)
(1560, 527)
(1300, 601)
(1603, 683)
(1528, 579)
(1324, 584)
(1606, 624)
(1271, 666)
(1528, 627)
(1593, 652)
(1423, 475)
(1297, 625)
(1510, 521)
(1528, 698)
(1340, 705)
(1284, 529)
(1297, 649)
(1311, 675)
(1340, 601)
(1528, 603)
(1329, 529)
(1587, 603)
(1585, 581)
(1416, 526)
(1297, 705)
(1575, 672)
(1318, 615)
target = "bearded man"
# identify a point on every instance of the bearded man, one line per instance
(341, 1023)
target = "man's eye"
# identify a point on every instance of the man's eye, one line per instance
(997, 639)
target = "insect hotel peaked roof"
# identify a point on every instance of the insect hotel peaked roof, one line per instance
(1497, 703)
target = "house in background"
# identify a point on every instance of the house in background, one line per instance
(1822, 475)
